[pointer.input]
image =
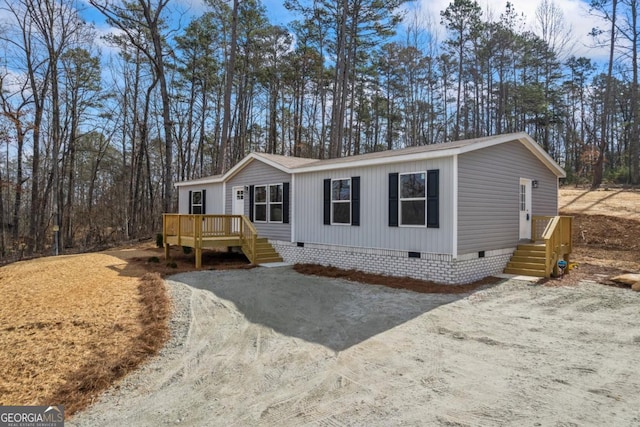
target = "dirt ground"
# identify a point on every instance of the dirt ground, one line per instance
(273, 347)
(611, 202)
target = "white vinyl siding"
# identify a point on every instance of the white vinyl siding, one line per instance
(373, 230)
(257, 173)
(489, 198)
(213, 196)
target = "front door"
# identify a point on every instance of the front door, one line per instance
(525, 209)
(237, 207)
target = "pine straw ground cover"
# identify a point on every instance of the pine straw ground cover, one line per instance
(72, 325)
(415, 285)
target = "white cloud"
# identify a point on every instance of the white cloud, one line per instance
(576, 17)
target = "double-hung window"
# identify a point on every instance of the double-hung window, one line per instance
(341, 201)
(196, 203)
(413, 198)
(275, 203)
(268, 203)
(260, 203)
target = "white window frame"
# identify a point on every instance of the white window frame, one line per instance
(265, 203)
(270, 202)
(410, 199)
(193, 205)
(341, 201)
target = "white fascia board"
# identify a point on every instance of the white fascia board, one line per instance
(202, 181)
(233, 171)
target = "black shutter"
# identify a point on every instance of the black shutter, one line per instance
(393, 199)
(285, 203)
(190, 201)
(433, 198)
(355, 200)
(327, 202)
(204, 202)
(251, 191)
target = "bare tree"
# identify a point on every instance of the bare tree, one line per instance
(147, 15)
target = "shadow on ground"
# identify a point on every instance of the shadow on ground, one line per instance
(334, 313)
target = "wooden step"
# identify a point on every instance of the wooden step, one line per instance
(519, 258)
(531, 247)
(265, 252)
(526, 265)
(528, 260)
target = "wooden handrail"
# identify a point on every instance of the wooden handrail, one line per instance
(538, 226)
(249, 237)
(557, 242)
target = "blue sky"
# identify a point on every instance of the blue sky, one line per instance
(575, 13)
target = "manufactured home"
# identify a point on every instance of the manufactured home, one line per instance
(451, 212)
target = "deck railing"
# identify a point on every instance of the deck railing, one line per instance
(538, 226)
(249, 238)
(203, 225)
(557, 241)
(199, 227)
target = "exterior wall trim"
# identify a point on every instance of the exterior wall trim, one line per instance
(292, 207)
(454, 184)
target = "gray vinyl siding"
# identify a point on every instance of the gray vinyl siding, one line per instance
(213, 202)
(374, 231)
(258, 173)
(488, 195)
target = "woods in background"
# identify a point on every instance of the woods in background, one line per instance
(92, 138)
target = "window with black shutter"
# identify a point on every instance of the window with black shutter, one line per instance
(414, 199)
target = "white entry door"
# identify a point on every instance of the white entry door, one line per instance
(237, 207)
(525, 208)
(238, 201)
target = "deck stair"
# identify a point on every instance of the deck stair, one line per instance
(265, 252)
(551, 242)
(528, 260)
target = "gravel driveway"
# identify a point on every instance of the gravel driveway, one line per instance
(273, 347)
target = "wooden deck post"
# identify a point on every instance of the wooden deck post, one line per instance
(198, 258)
(165, 237)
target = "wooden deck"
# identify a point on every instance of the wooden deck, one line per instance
(209, 231)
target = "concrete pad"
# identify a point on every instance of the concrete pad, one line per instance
(518, 277)
(275, 264)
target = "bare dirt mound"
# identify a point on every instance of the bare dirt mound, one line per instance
(606, 233)
(614, 202)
